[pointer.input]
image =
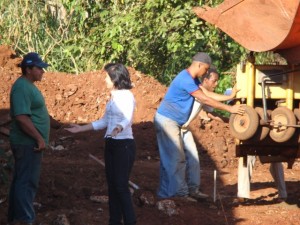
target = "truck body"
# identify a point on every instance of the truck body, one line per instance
(270, 126)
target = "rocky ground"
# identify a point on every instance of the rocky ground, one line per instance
(73, 188)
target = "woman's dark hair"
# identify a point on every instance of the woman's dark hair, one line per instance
(119, 75)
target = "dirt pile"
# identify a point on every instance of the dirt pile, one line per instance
(70, 179)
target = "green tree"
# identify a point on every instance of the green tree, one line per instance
(157, 37)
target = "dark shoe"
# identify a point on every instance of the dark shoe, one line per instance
(280, 200)
(198, 195)
(189, 199)
(240, 200)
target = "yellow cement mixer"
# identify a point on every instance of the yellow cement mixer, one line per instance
(270, 126)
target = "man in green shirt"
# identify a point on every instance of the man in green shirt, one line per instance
(29, 136)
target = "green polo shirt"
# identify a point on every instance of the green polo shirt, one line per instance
(26, 99)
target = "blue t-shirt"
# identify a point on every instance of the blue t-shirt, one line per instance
(178, 101)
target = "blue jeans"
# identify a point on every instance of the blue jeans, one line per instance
(24, 184)
(179, 161)
(119, 159)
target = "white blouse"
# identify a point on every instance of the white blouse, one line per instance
(119, 111)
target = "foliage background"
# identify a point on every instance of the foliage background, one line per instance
(157, 37)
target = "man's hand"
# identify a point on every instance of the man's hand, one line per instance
(41, 145)
(238, 109)
(234, 91)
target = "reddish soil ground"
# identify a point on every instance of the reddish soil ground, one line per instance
(71, 178)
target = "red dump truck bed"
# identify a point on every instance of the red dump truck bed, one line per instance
(259, 25)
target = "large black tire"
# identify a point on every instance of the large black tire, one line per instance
(262, 131)
(243, 127)
(284, 116)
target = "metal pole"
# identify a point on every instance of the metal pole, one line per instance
(215, 185)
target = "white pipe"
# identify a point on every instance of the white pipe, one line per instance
(103, 164)
(215, 184)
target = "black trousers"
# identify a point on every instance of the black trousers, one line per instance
(119, 159)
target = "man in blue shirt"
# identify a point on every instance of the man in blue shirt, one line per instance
(179, 161)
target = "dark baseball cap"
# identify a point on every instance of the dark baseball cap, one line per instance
(33, 59)
(202, 57)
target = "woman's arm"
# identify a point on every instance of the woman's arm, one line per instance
(75, 128)
(96, 125)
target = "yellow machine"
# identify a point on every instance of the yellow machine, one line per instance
(270, 126)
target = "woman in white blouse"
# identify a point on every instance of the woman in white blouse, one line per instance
(119, 142)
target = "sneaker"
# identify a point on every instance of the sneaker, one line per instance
(189, 199)
(280, 200)
(240, 200)
(198, 195)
